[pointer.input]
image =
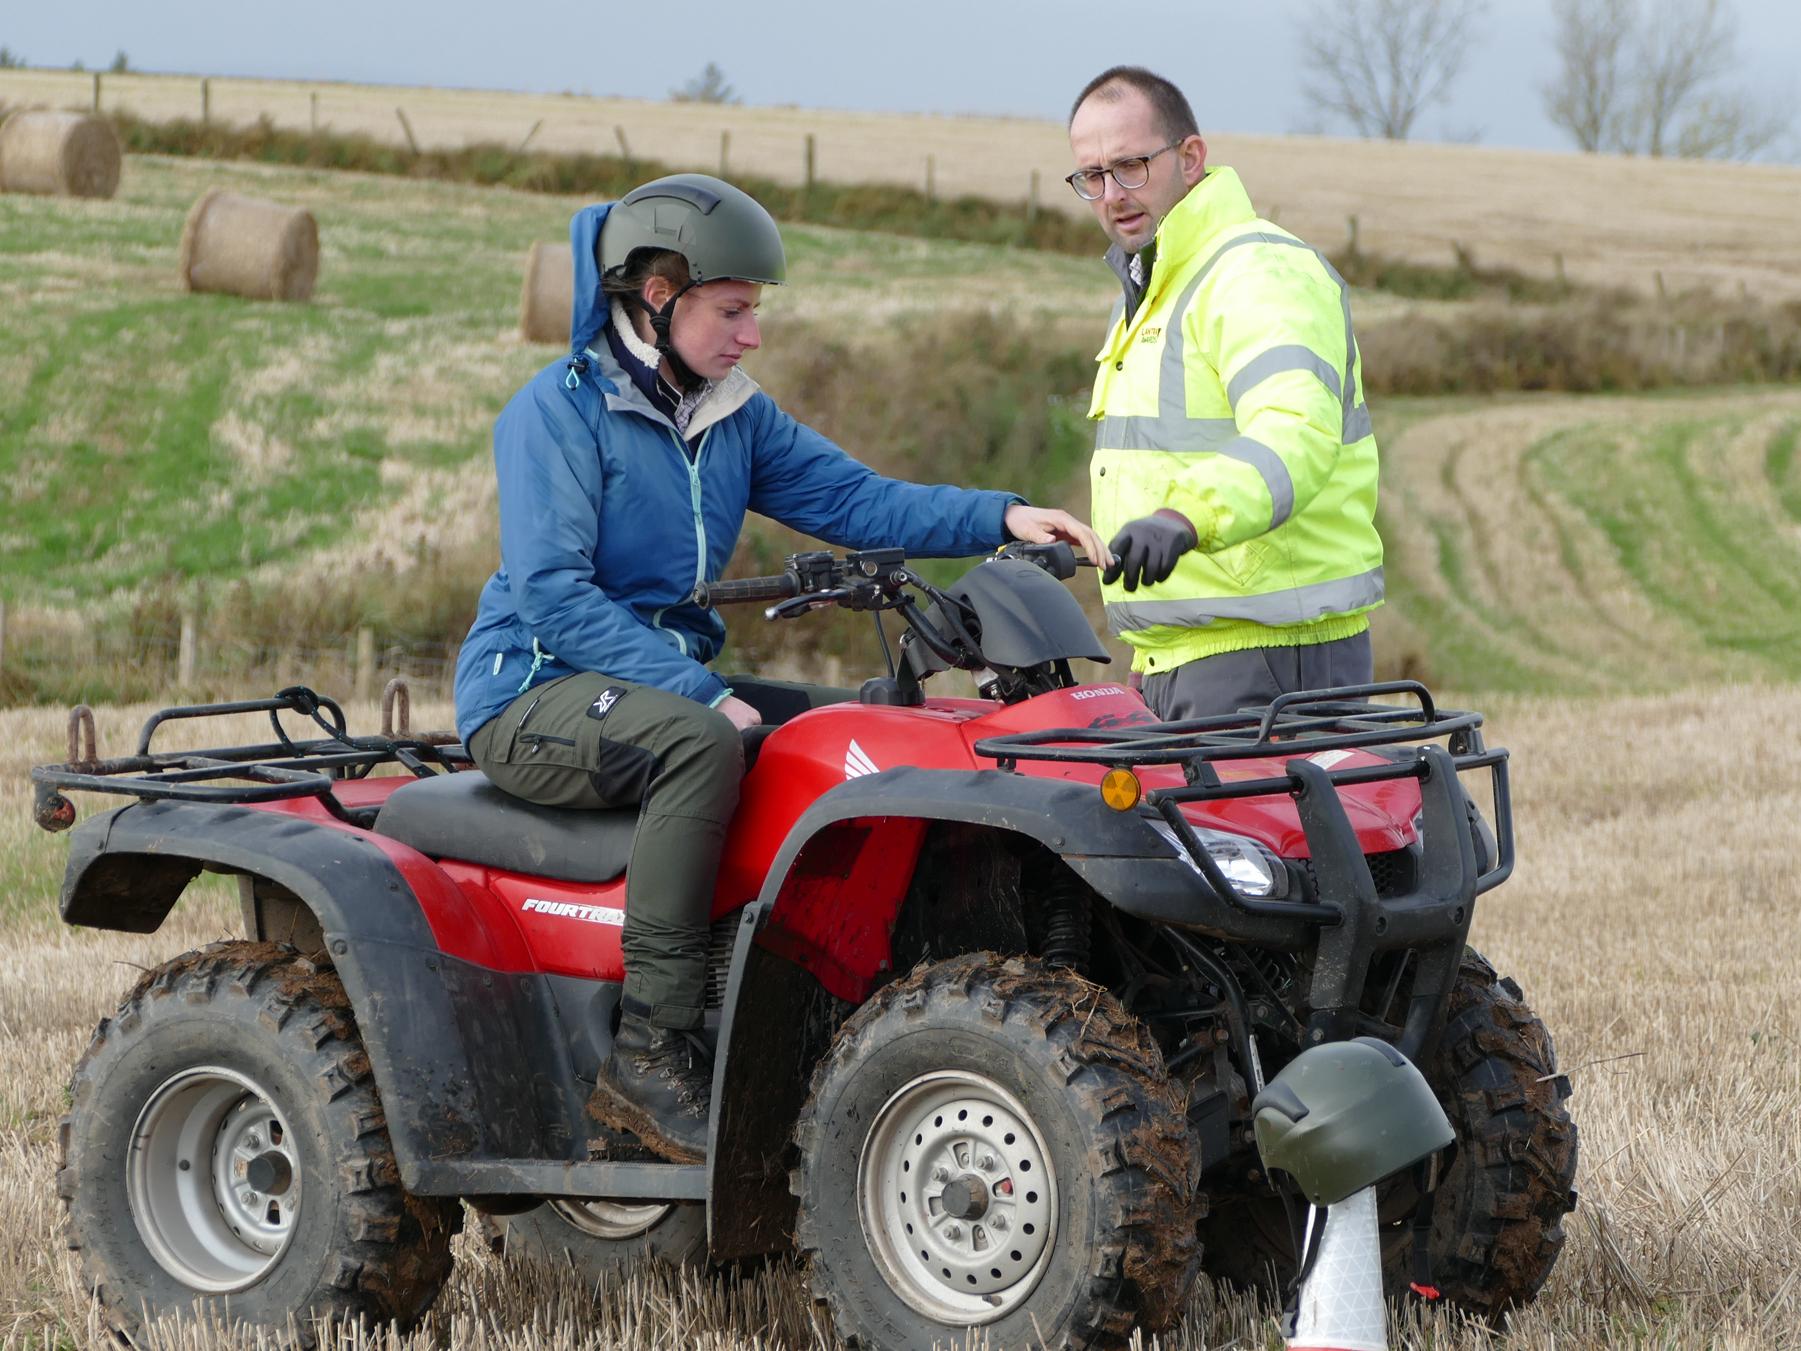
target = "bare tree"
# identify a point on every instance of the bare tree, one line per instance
(1585, 96)
(1655, 77)
(1378, 63)
(707, 87)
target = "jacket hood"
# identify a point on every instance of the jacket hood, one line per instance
(588, 313)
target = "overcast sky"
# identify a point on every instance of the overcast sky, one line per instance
(1238, 62)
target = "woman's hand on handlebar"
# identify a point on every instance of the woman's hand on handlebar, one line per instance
(1042, 525)
(742, 715)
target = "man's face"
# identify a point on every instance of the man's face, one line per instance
(1105, 131)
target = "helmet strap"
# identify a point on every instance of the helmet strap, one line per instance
(686, 377)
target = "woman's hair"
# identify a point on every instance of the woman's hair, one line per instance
(640, 267)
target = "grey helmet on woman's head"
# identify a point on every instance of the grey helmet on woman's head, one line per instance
(721, 232)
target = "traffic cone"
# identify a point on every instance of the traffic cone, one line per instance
(1341, 1306)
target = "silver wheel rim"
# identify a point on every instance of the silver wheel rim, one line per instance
(612, 1220)
(213, 1179)
(957, 1196)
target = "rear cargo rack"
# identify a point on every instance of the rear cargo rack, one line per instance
(1294, 728)
(271, 772)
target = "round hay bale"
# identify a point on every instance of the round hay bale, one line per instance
(547, 300)
(64, 154)
(245, 246)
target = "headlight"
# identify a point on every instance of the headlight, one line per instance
(1247, 865)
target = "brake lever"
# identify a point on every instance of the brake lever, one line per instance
(808, 600)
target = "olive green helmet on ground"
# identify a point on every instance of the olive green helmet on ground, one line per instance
(1343, 1116)
(723, 232)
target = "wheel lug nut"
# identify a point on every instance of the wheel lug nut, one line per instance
(986, 1163)
(997, 1222)
(941, 1174)
(953, 1232)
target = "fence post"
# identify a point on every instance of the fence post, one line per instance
(931, 179)
(625, 150)
(187, 653)
(810, 153)
(527, 140)
(1351, 236)
(407, 127)
(363, 679)
(313, 110)
(206, 101)
(725, 148)
(1032, 200)
(1563, 280)
(96, 91)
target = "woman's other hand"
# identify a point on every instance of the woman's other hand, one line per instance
(742, 715)
(1041, 525)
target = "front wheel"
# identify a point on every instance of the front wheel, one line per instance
(992, 1143)
(225, 1146)
(1497, 1220)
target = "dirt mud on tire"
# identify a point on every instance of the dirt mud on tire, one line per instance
(225, 1144)
(995, 1143)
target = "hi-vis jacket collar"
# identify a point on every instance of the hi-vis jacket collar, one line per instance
(1216, 203)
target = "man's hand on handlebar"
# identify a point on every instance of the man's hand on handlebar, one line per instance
(742, 715)
(1041, 525)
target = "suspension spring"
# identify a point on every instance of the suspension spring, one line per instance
(1067, 936)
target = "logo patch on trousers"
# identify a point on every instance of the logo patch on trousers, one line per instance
(603, 705)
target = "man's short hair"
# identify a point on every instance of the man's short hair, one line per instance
(1173, 112)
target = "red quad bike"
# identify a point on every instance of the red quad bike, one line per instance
(993, 984)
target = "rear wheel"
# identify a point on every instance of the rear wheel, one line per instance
(225, 1145)
(992, 1143)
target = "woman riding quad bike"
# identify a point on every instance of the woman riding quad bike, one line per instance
(625, 472)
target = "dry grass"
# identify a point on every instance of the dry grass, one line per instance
(1614, 221)
(1652, 923)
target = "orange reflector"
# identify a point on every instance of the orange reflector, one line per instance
(1121, 790)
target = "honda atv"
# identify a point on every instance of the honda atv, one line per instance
(994, 982)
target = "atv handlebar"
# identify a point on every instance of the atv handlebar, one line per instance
(736, 590)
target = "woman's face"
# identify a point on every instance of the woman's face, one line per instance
(714, 325)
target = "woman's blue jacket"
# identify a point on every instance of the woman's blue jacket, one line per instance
(607, 524)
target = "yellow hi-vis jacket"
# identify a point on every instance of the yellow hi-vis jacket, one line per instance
(1232, 395)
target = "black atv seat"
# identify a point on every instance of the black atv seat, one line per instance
(464, 816)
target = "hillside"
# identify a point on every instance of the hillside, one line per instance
(1614, 221)
(289, 474)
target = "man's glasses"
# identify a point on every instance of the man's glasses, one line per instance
(1128, 173)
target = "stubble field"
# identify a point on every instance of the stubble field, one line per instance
(1614, 221)
(1652, 923)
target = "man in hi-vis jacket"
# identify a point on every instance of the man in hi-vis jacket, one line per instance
(1234, 467)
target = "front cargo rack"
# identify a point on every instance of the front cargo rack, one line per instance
(271, 772)
(1295, 728)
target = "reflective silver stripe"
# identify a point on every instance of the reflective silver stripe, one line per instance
(1152, 433)
(1173, 430)
(1294, 606)
(1249, 450)
(1290, 357)
(1355, 415)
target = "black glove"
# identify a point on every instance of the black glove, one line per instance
(1146, 550)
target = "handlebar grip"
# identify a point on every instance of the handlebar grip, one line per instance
(779, 587)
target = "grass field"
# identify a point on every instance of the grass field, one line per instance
(1614, 221)
(1652, 923)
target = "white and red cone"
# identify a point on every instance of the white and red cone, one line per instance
(1341, 1305)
